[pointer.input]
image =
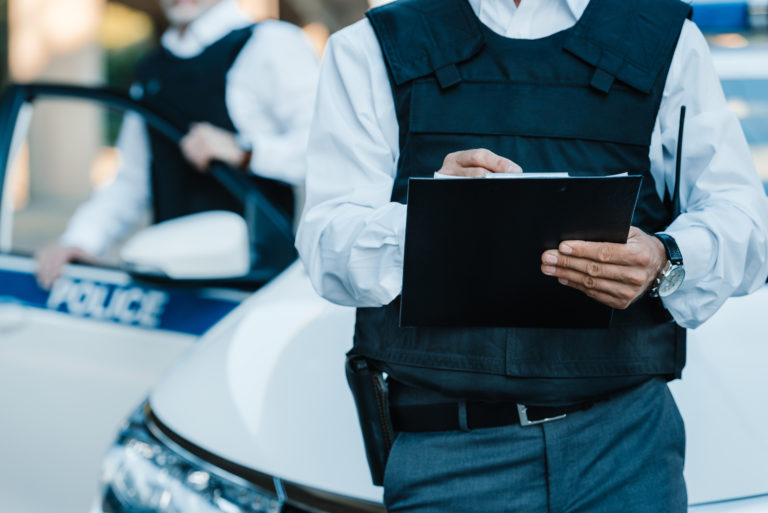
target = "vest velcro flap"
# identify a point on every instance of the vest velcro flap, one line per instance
(637, 50)
(420, 37)
(530, 110)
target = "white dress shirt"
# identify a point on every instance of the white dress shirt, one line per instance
(351, 236)
(270, 91)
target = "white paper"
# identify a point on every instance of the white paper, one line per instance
(441, 176)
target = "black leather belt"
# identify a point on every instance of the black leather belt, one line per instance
(449, 416)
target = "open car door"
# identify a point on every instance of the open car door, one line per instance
(75, 358)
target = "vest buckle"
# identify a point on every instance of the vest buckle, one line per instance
(602, 80)
(522, 412)
(448, 76)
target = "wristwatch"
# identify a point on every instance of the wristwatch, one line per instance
(671, 276)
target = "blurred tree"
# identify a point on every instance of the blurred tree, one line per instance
(3, 43)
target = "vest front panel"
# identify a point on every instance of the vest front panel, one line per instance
(549, 105)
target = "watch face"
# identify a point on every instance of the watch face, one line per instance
(672, 281)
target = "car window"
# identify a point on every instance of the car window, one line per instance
(66, 154)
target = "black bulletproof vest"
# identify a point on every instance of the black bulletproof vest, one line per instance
(185, 91)
(583, 100)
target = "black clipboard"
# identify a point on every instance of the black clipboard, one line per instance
(473, 248)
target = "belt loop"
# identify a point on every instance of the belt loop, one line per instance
(463, 424)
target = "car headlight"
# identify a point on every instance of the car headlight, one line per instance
(143, 472)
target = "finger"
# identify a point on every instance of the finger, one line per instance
(43, 282)
(584, 282)
(55, 267)
(42, 278)
(606, 299)
(475, 172)
(629, 275)
(194, 153)
(187, 146)
(47, 274)
(203, 166)
(487, 159)
(49, 279)
(635, 232)
(82, 257)
(199, 166)
(44, 268)
(604, 252)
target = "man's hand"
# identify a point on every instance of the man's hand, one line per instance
(205, 143)
(51, 258)
(614, 274)
(477, 163)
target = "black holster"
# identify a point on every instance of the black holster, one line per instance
(371, 398)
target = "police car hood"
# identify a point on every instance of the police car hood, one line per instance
(266, 389)
(722, 398)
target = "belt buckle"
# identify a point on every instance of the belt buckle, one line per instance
(522, 412)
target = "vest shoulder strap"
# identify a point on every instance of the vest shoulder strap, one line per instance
(420, 37)
(629, 40)
(232, 43)
(238, 37)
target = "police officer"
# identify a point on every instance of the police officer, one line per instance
(244, 91)
(533, 419)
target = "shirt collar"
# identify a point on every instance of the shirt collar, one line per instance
(576, 6)
(215, 23)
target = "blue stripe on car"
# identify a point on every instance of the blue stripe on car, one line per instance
(184, 311)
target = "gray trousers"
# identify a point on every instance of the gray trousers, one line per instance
(624, 455)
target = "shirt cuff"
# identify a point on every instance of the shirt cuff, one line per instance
(270, 160)
(383, 282)
(87, 244)
(401, 216)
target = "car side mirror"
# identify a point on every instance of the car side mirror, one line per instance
(208, 245)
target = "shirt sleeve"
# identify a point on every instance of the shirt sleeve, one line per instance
(722, 229)
(270, 97)
(351, 235)
(114, 210)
